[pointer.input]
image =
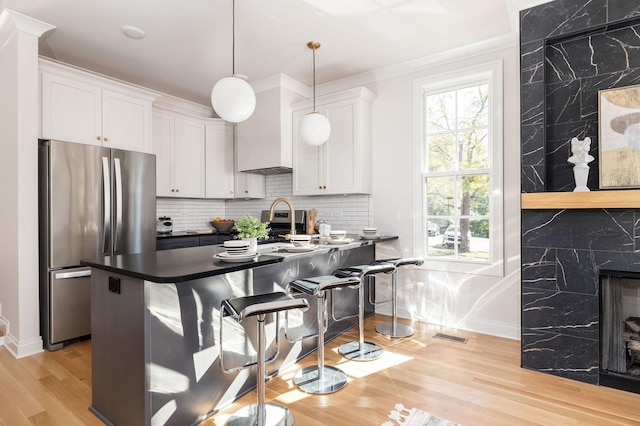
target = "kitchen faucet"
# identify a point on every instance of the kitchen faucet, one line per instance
(292, 214)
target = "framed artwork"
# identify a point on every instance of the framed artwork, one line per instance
(619, 137)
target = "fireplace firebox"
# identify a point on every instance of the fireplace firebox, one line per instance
(620, 330)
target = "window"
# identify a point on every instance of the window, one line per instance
(460, 162)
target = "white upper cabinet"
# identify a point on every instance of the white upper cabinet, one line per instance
(220, 173)
(250, 185)
(342, 165)
(179, 146)
(77, 106)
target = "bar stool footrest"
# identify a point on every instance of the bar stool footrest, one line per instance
(390, 329)
(368, 352)
(276, 414)
(308, 379)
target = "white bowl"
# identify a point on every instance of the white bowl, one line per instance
(338, 235)
(300, 237)
(369, 231)
(300, 240)
(236, 244)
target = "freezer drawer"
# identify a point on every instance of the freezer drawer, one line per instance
(70, 304)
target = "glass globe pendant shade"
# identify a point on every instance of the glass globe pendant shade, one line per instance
(315, 128)
(233, 99)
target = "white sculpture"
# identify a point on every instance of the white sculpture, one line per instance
(580, 159)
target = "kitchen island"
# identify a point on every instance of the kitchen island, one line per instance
(155, 327)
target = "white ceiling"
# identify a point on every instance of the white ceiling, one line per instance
(187, 47)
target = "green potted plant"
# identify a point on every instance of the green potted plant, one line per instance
(250, 228)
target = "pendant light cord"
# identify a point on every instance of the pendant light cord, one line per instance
(233, 37)
(314, 80)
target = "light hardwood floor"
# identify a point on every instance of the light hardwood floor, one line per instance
(477, 383)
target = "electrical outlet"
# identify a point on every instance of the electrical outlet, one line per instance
(337, 212)
(184, 212)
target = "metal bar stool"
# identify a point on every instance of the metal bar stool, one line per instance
(393, 329)
(259, 305)
(361, 350)
(321, 379)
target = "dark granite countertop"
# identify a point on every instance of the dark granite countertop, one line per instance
(178, 265)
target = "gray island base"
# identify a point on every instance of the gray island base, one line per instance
(155, 328)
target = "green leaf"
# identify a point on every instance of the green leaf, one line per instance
(251, 227)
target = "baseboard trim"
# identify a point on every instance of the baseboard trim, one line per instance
(22, 349)
(491, 328)
(3, 327)
(19, 348)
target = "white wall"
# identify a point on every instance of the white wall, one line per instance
(19, 182)
(484, 304)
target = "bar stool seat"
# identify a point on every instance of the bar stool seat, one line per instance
(393, 329)
(259, 305)
(360, 350)
(320, 378)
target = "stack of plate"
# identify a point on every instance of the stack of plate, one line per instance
(236, 251)
(236, 247)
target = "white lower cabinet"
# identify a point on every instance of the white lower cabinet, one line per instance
(220, 173)
(77, 106)
(179, 145)
(342, 165)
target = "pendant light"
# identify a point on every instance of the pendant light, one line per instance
(232, 97)
(315, 127)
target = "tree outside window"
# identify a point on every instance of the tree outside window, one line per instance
(456, 173)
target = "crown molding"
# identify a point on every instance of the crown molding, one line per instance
(12, 21)
(404, 68)
(281, 80)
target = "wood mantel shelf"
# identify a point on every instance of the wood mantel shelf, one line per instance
(607, 199)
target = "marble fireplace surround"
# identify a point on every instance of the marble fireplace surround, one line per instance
(567, 238)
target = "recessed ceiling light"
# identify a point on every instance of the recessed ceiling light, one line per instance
(133, 32)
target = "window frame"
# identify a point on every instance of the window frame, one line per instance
(491, 73)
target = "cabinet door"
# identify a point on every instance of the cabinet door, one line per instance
(125, 122)
(71, 110)
(220, 173)
(168, 243)
(250, 185)
(209, 240)
(163, 149)
(189, 158)
(306, 162)
(339, 161)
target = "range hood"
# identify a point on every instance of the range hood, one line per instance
(264, 143)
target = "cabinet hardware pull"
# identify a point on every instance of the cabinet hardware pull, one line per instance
(106, 139)
(98, 137)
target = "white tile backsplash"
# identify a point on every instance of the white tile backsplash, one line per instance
(348, 212)
(190, 214)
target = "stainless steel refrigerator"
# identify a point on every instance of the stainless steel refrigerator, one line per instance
(93, 202)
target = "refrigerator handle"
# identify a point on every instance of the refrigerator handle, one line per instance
(76, 274)
(118, 204)
(106, 206)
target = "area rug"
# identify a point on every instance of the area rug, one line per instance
(414, 417)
